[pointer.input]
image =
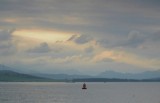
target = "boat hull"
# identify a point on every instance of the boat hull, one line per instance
(84, 88)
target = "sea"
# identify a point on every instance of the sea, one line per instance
(109, 92)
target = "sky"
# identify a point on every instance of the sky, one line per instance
(80, 36)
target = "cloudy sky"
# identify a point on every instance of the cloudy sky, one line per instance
(80, 36)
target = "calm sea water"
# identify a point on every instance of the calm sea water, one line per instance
(72, 93)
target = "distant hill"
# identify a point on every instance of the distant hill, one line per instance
(11, 76)
(7, 74)
(143, 75)
(4, 67)
(115, 80)
(148, 75)
(62, 76)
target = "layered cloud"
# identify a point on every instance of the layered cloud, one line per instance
(85, 34)
(124, 57)
(75, 50)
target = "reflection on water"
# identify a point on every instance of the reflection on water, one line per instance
(72, 93)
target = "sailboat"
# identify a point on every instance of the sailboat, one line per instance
(84, 86)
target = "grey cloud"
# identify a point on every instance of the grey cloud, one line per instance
(155, 36)
(42, 48)
(89, 49)
(5, 38)
(6, 34)
(103, 16)
(107, 60)
(6, 45)
(80, 39)
(73, 37)
(134, 39)
(88, 9)
(83, 39)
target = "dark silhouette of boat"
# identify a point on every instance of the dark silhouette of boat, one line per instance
(84, 86)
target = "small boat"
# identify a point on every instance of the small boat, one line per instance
(84, 86)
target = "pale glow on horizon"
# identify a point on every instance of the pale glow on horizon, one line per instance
(10, 20)
(128, 58)
(43, 35)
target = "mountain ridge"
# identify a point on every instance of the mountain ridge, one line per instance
(65, 77)
(142, 75)
(12, 76)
